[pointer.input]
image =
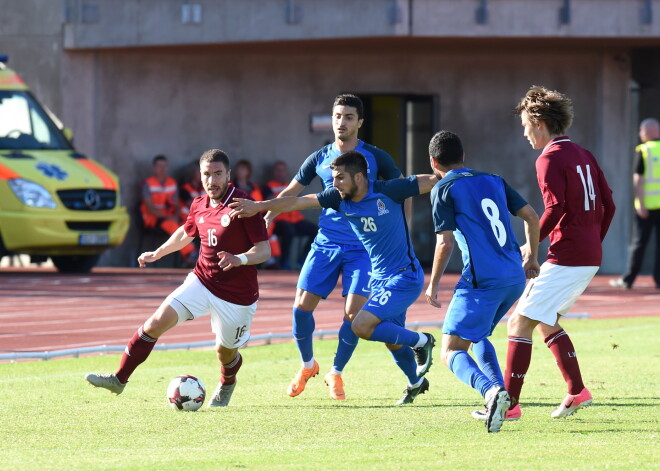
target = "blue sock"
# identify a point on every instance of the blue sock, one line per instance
(487, 361)
(346, 346)
(405, 359)
(388, 332)
(303, 332)
(466, 369)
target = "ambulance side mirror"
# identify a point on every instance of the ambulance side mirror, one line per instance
(68, 133)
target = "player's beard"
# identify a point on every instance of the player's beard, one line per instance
(348, 196)
(220, 190)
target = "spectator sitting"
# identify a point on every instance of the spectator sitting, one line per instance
(242, 173)
(160, 204)
(190, 188)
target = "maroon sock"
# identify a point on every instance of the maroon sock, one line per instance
(518, 358)
(562, 348)
(137, 350)
(228, 372)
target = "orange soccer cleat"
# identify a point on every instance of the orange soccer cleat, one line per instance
(336, 385)
(298, 383)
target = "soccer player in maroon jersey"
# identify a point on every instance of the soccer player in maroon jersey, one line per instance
(578, 212)
(223, 283)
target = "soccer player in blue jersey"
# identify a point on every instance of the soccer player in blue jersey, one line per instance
(336, 249)
(374, 211)
(471, 208)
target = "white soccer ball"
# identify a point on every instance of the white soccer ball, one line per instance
(186, 392)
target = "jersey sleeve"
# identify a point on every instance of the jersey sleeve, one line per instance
(386, 167)
(398, 188)
(551, 181)
(307, 170)
(255, 227)
(329, 198)
(444, 218)
(514, 202)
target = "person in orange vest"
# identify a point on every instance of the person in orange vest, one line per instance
(242, 173)
(288, 225)
(160, 204)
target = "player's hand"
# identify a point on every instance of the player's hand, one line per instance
(432, 296)
(532, 268)
(146, 257)
(243, 208)
(268, 218)
(228, 260)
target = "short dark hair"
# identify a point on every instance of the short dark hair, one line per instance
(215, 155)
(348, 99)
(158, 158)
(352, 161)
(446, 148)
(548, 106)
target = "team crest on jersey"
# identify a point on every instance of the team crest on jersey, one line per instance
(381, 208)
(225, 220)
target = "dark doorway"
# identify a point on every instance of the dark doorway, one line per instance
(402, 125)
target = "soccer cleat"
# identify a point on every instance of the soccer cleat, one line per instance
(298, 383)
(497, 403)
(222, 395)
(511, 414)
(423, 355)
(336, 385)
(410, 393)
(109, 382)
(572, 403)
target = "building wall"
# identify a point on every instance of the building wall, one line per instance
(127, 106)
(247, 78)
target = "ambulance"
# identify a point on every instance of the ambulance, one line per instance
(54, 201)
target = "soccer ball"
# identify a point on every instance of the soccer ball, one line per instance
(186, 392)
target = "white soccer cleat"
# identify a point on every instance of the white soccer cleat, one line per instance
(109, 382)
(222, 395)
(497, 403)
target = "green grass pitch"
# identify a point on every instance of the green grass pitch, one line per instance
(52, 420)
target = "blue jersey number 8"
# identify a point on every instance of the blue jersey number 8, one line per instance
(492, 212)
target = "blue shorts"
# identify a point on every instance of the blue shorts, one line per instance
(473, 314)
(324, 262)
(391, 298)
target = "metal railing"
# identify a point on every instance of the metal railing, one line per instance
(266, 339)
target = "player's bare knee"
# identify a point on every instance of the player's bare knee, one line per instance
(160, 322)
(361, 329)
(445, 354)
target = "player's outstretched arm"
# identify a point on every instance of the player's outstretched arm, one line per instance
(294, 189)
(530, 251)
(178, 240)
(426, 182)
(444, 244)
(244, 208)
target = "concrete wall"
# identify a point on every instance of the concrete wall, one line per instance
(126, 106)
(254, 99)
(31, 35)
(129, 23)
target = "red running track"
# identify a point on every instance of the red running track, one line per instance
(42, 310)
